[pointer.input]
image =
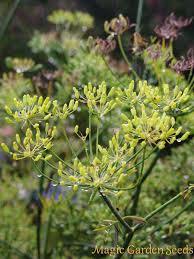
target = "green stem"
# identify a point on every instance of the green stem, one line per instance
(48, 226)
(190, 204)
(44, 175)
(39, 213)
(97, 137)
(54, 154)
(9, 17)
(139, 15)
(115, 212)
(162, 207)
(191, 84)
(136, 196)
(69, 144)
(90, 135)
(125, 57)
(143, 161)
(133, 156)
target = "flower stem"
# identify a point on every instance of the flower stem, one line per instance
(48, 226)
(90, 135)
(125, 57)
(115, 212)
(97, 137)
(139, 15)
(190, 204)
(144, 177)
(39, 213)
(69, 144)
(153, 213)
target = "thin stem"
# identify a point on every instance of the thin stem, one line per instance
(115, 212)
(174, 217)
(139, 15)
(133, 156)
(162, 207)
(44, 175)
(191, 84)
(39, 213)
(47, 231)
(90, 135)
(97, 137)
(143, 161)
(9, 17)
(54, 154)
(144, 177)
(69, 144)
(93, 140)
(125, 57)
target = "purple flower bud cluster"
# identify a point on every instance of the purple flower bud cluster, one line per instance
(171, 27)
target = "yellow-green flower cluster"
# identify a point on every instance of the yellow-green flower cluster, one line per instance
(29, 109)
(33, 145)
(147, 120)
(159, 98)
(36, 109)
(66, 110)
(98, 101)
(164, 98)
(80, 19)
(108, 170)
(151, 127)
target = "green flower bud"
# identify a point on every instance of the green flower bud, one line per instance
(49, 146)
(5, 148)
(64, 107)
(8, 110)
(76, 92)
(37, 158)
(87, 131)
(124, 117)
(47, 116)
(75, 187)
(76, 129)
(54, 132)
(71, 104)
(48, 157)
(185, 136)
(15, 157)
(75, 107)
(40, 101)
(15, 146)
(18, 139)
(161, 144)
(72, 178)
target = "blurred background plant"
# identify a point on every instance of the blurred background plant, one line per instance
(53, 53)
